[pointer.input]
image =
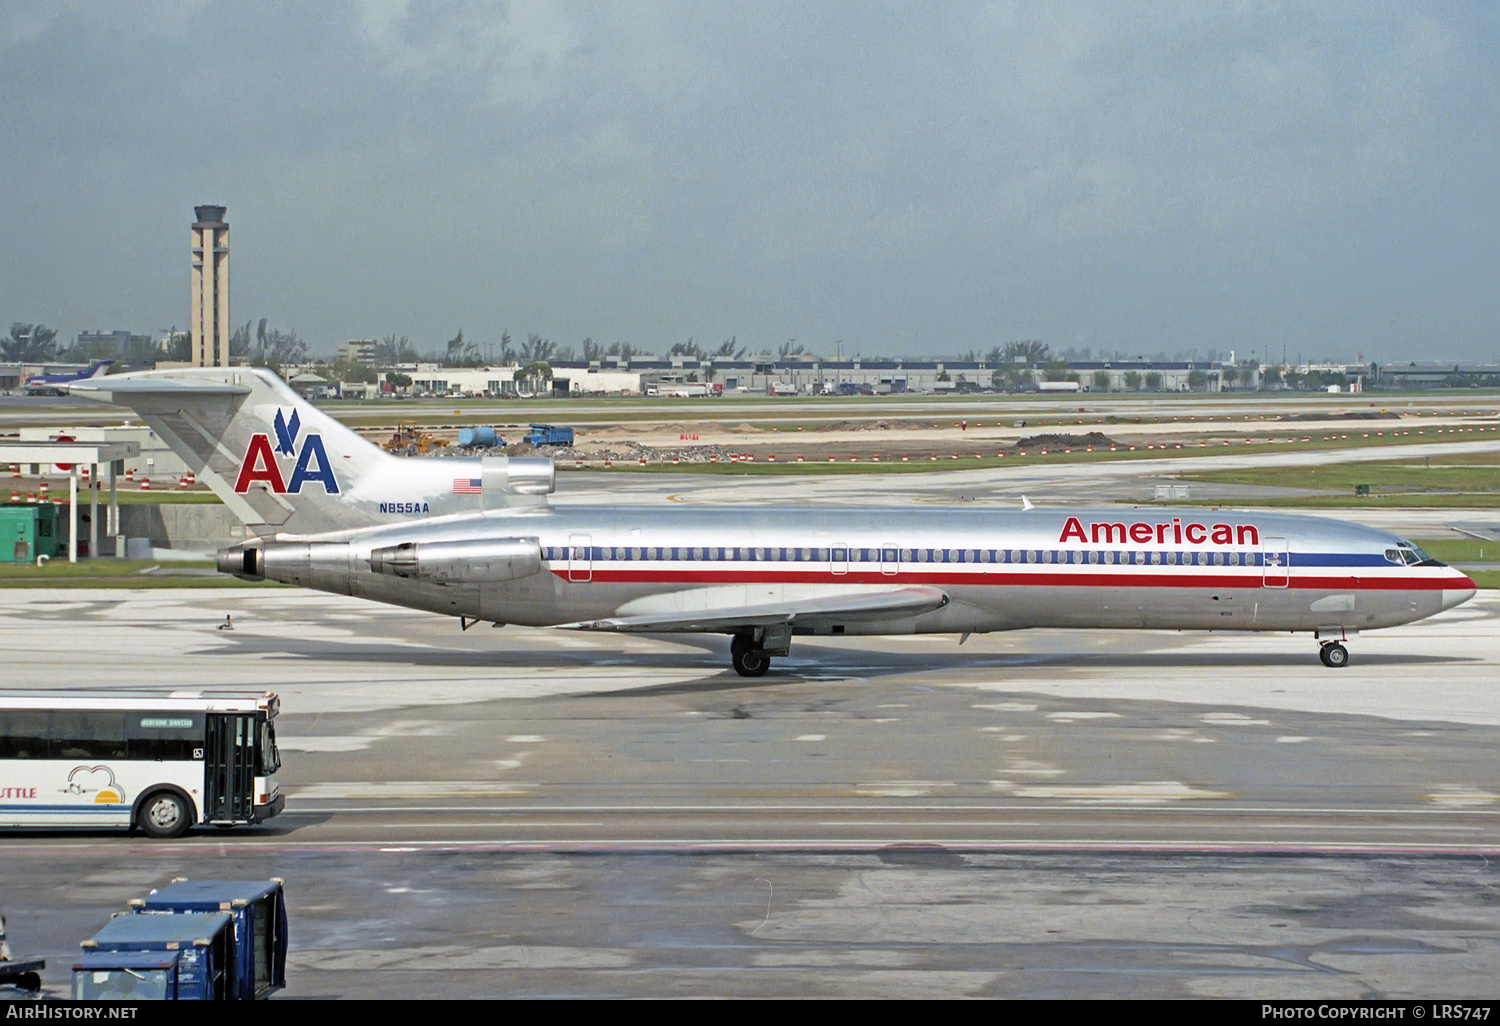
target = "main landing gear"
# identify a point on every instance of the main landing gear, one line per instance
(749, 656)
(1334, 655)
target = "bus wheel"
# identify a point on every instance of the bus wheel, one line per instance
(164, 815)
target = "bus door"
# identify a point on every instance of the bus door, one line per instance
(229, 768)
(1275, 562)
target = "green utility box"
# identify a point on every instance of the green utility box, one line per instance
(29, 530)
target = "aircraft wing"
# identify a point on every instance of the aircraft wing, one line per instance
(872, 605)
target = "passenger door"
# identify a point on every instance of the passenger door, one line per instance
(1275, 563)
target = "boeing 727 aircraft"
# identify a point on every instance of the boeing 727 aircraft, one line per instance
(476, 538)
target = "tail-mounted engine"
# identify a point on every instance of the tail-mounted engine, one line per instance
(328, 565)
(480, 561)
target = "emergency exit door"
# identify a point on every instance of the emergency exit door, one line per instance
(229, 769)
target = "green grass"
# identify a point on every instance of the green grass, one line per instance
(1388, 476)
(1461, 550)
(1405, 501)
(1452, 481)
(1485, 578)
(162, 497)
(117, 573)
(130, 498)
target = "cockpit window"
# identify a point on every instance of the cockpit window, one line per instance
(1409, 554)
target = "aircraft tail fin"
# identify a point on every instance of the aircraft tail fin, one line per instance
(285, 467)
(280, 464)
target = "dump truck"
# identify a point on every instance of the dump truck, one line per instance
(548, 434)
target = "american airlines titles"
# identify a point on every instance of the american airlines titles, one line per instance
(1173, 532)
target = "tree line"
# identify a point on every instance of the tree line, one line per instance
(1013, 365)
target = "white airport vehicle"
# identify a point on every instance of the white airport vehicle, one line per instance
(687, 390)
(162, 762)
(474, 538)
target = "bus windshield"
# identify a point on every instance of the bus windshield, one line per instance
(270, 757)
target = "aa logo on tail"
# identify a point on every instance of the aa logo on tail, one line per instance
(260, 462)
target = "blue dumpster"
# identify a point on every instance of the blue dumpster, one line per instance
(128, 976)
(258, 908)
(194, 954)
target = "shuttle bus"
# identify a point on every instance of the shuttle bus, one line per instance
(162, 762)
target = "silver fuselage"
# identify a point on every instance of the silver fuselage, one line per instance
(1001, 569)
(476, 537)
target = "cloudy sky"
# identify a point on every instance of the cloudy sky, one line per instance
(918, 178)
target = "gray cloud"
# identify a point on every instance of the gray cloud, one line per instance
(906, 178)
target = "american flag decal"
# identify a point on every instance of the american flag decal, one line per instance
(466, 486)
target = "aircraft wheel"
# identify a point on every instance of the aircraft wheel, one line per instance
(750, 660)
(1334, 655)
(164, 815)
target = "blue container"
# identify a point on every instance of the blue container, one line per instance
(258, 908)
(132, 976)
(198, 946)
(479, 436)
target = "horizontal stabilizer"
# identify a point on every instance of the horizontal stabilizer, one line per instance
(103, 387)
(848, 606)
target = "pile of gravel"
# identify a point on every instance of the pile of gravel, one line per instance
(1094, 438)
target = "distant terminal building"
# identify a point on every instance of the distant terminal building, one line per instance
(125, 347)
(1439, 375)
(209, 326)
(812, 375)
(359, 351)
(104, 344)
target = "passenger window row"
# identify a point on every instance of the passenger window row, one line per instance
(730, 554)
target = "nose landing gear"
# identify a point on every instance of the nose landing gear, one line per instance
(1334, 655)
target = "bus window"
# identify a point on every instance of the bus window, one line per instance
(87, 734)
(23, 734)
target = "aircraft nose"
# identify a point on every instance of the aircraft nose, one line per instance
(1458, 591)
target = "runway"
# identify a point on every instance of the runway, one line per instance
(531, 812)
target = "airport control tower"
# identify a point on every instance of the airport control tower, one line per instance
(209, 326)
